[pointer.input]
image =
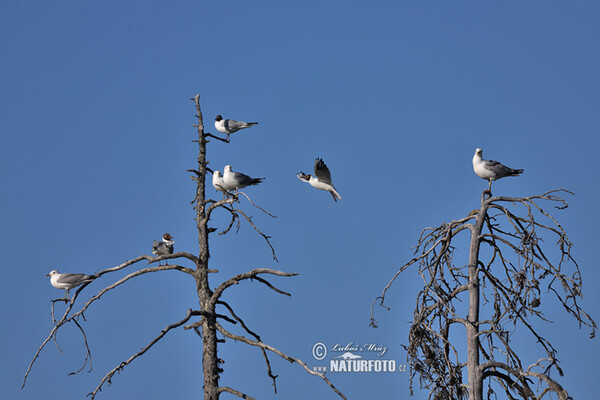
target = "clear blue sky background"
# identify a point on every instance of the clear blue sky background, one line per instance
(395, 96)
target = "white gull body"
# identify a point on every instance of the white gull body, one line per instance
(67, 281)
(321, 180)
(229, 126)
(219, 184)
(237, 180)
(491, 170)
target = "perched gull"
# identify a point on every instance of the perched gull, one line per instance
(68, 281)
(219, 184)
(163, 248)
(229, 126)
(321, 180)
(491, 170)
(237, 180)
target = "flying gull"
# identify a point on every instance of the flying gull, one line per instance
(491, 170)
(68, 281)
(229, 126)
(163, 248)
(321, 180)
(237, 180)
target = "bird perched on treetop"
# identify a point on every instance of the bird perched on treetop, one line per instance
(237, 180)
(321, 180)
(164, 247)
(229, 126)
(491, 170)
(68, 281)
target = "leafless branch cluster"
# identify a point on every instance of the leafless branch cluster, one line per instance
(227, 204)
(515, 273)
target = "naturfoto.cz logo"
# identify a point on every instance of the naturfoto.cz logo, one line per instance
(354, 358)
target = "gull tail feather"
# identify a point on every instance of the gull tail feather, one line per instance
(335, 194)
(516, 172)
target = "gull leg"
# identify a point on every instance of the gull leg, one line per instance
(333, 195)
(489, 189)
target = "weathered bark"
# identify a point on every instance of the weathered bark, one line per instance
(472, 326)
(209, 330)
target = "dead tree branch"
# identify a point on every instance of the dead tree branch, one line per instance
(235, 392)
(272, 349)
(108, 377)
(249, 275)
(73, 318)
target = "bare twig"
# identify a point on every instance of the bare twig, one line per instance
(260, 208)
(235, 392)
(249, 219)
(249, 275)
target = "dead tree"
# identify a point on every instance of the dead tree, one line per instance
(500, 290)
(213, 312)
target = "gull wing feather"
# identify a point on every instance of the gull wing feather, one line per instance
(321, 171)
(72, 279)
(233, 126)
(498, 169)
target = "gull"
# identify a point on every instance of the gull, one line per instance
(229, 126)
(237, 180)
(68, 281)
(321, 180)
(219, 184)
(491, 170)
(163, 248)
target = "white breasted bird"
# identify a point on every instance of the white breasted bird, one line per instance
(229, 126)
(237, 180)
(219, 184)
(163, 247)
(321, 179)
(68, 281)
(491, 170)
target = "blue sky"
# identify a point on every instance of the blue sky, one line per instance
(394, 96)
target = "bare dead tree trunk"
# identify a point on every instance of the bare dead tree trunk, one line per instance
(512, 289)
(209, 330)
(472, 326)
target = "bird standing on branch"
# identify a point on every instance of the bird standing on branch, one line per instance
(237, 180)
(68, 281)
(219, 184)
(164, 247)
(491, 170)
(229, 126)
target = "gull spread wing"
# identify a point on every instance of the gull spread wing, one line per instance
(321, 171)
